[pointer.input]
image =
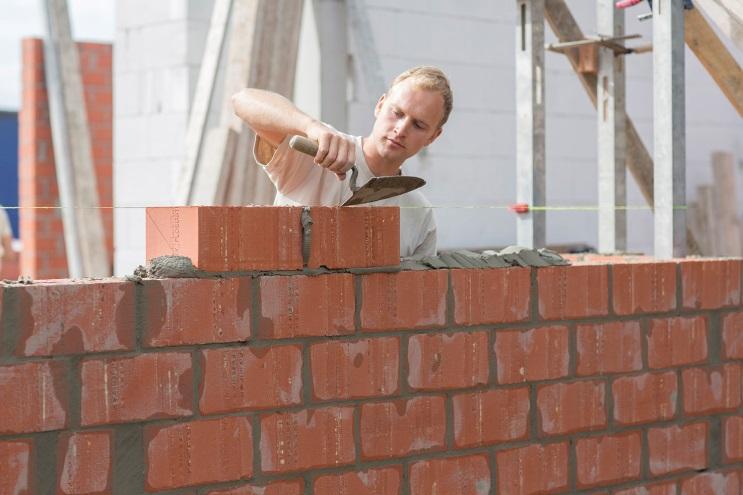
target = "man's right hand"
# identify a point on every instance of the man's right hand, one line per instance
(336, 151)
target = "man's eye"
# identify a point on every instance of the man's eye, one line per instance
(397, 113)
(419, 125)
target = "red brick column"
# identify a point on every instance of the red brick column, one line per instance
(43, 254)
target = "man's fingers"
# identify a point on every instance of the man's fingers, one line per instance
(330, 158)
(323, 147)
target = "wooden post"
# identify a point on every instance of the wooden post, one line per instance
(726, 195)
(197, 130)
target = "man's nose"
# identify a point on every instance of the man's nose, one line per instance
(402, 127)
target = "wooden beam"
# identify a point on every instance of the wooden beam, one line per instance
(639, 162)
(273, 67)
(715, 57)
(197, 129)
(87, 255)
(727, 16)
(216, 161)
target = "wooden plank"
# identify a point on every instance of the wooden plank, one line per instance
(714, 56)
(273, 68)
(87, 254)
(727, 16)
(332, 33)
(196, 130)
(366, 50)
(639, 162)
(215, 164)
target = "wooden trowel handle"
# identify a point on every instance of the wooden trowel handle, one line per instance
(303, 145)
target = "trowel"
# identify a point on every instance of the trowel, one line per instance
(377, 188)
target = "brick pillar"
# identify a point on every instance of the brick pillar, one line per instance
(43, 254)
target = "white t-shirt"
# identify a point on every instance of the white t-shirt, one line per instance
(300, 182)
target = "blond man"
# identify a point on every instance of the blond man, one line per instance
(409, 116)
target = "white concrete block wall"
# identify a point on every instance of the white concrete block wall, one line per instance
(473, 163)
(158, 49)
(470, 169)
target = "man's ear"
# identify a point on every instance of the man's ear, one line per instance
(378, 106)
(436, 134)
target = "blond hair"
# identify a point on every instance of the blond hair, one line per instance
(433, 79)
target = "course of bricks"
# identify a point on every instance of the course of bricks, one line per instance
(40, 230)
(603, 377)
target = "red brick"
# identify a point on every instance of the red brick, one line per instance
(461, 475)
(307, 439)
(348, 370)
(645, 398)
(15, 467)
(533, 469)
(395, 429)
(570, 407)
(531, 355)
(138, 388)
(710, 284)
(34, 397)
(240, 378)
(221, 238)
(303, 306)
(733, 438)
(664, 488)
(491, 296)
(405, 300)
(677, 341)
(614, 347)
(610, 459)
(732, 336)
(644, 287)
(713, 390)
(712, 483)
(64, 317)
(490, 417)
(677, 448)
(573, 291)
(197, 311)
(358, 237)
(276, 488)
(385, 481)
(36, 157)
(441, 361)
(85, 463)
(198, 452)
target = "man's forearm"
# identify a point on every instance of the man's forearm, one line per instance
(270, 115)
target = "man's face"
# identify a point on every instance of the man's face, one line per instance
(408, 119)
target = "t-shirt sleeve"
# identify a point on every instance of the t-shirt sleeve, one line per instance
(288, 169)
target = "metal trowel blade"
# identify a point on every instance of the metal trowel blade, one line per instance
(384, 187)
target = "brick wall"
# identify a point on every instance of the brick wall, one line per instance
(43, 254)
(601, 377)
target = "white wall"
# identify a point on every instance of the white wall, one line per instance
(469, 169)
(158, 49)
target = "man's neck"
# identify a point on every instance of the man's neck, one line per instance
(377, 164)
